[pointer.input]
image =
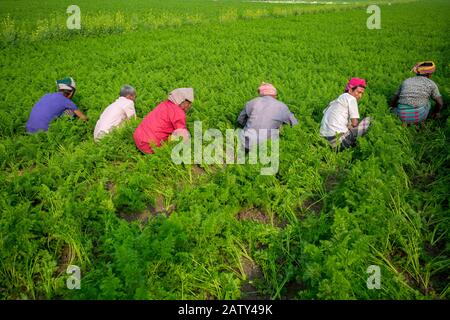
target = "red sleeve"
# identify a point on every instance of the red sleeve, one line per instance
(179, 119)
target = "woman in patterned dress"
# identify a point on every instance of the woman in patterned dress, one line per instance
(411, 102)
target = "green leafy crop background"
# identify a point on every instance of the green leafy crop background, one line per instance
(142, 227)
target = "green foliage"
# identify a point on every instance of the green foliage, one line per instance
(205, 232)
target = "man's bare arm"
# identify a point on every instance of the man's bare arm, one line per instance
(353, 123)
(81, 115)
(393, 102)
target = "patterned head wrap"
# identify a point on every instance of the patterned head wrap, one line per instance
(424, 67)
(66, 84)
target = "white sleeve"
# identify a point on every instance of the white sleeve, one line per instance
(353, 108)
(129, 110)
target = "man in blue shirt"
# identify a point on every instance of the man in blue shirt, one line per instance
(53, 105)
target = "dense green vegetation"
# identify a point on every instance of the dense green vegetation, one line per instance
(141, 227)
(45, 21)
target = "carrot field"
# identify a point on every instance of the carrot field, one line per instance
(143, 227)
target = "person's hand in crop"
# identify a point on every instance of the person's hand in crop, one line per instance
(437, 115)
(439, 106)
(353, 123)
(393, 102)
(180, 133)
(81, 115)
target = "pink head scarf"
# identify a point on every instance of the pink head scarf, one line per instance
(355, 82)
(267, 89)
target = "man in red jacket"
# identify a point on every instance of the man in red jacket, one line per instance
(168, 118)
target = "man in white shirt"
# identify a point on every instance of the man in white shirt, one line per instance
(340, 125)
(117, 112)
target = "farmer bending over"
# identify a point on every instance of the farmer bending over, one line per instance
(168, 118)
(340, 119)
(412, 99)
(53, 105)
(263, 112)
(116, 113)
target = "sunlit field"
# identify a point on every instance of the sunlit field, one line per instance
(143, 227)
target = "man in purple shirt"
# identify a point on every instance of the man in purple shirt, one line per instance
(53, 105)
(262, 115)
